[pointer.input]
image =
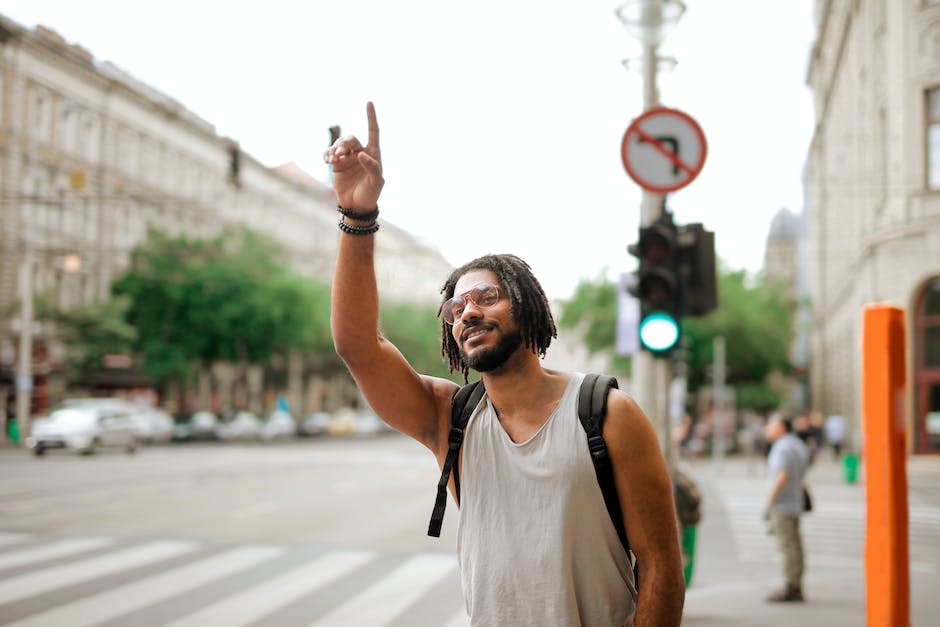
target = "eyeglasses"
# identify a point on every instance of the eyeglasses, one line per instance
(482, 295)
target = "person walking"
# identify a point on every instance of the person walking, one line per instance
(786, 464)
(834, 428)
(535, 542)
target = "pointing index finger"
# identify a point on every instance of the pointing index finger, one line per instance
(373, 126)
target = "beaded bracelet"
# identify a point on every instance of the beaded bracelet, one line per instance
(352, 229)
(371, 216)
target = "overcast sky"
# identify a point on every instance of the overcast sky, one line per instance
(501, 120)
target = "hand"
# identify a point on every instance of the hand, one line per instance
(357, 170)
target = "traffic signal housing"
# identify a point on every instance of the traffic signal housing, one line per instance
(698, 287)
(657, 285)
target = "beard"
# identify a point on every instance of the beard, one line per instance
(489, 359)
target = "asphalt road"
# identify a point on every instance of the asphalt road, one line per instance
(332, 532)
(374, 493)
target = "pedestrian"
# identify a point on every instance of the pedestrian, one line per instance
(786, 464)
(834, 428)
(535, 544)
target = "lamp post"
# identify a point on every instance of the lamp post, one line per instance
(649, 21)
(24, 365)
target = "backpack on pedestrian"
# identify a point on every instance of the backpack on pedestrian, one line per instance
(592, 409)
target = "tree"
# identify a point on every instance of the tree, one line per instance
(228, 298)
(754, 319)
(94, 331)
(416, 331)
(592, 313)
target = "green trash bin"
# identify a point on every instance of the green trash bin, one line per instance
(688, 552)
(850, 467)
(13, 431)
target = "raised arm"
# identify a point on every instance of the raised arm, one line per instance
(649, 513)
(411, 403)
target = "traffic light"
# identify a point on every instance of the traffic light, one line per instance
(657, 285)
(696, 260)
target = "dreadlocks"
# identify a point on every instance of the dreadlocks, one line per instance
(528, 305)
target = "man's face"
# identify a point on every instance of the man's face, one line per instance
(486, 336)
(774, 429)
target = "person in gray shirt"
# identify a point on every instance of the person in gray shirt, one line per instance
(786, 466)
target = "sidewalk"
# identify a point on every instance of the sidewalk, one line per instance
(728, 591)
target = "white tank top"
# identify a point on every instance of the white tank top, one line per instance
(535, 542)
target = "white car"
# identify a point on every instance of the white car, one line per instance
(153, 425)
(83, 428)
(245, 426)
(279, 426)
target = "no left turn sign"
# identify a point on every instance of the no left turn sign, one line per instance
(663, 150)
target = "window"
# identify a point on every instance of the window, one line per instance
(933, 138)
(40, 114)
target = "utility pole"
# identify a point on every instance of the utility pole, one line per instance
(649, 21)
(24, 367)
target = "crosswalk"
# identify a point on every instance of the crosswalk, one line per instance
(51, 581)
(833, 533)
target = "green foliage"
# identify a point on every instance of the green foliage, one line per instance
(755, 321)
(757, 396)
(416, 331)
(95, 331)
(592, 313)
(227, 298)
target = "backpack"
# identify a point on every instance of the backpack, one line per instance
(592, 408)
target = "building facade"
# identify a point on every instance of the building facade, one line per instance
(873, 195)
(91, 158)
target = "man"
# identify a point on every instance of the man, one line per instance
(786, 464)
(535, 542)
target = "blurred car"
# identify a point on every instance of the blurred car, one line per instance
(153, 425)
(280, 425)
(84, 428)
(368, 423)
(244, 426)
(203, 426)
(317, 423)
(342, 422)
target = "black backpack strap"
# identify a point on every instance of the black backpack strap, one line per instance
(465, 401)
(592, 408)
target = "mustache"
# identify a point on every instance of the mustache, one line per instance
(471, 326)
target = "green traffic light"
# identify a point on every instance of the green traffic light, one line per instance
(659, 332)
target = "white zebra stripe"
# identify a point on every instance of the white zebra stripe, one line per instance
(127, 598)
(255, 603)
(53, 550)
(47, 579)
(381, 603)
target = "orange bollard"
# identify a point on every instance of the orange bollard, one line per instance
(887, 560)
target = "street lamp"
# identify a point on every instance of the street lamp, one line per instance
(71, 263)
(649, 21)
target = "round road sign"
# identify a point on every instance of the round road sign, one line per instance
(663, 150)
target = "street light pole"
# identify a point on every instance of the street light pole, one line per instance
(24, 368)
(649, 21)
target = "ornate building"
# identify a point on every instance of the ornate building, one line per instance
(91, 158)
(873, 193)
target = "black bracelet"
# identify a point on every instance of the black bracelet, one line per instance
(352, 229)
(370, 216)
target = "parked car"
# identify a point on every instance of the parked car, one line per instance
(244, 426)
(203, 426)
(342, 422)
(153, 425)
(83, 428)
(280, 425)
(317, 423)
(368, 423)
